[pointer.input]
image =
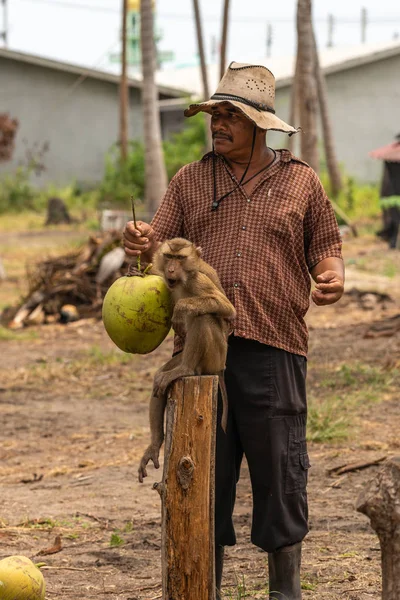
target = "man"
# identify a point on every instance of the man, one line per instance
(265, 224)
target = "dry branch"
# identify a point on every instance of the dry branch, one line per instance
(69, 280)
(356, 466)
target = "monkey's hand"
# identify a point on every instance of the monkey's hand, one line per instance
(178, 325)
(152, 453)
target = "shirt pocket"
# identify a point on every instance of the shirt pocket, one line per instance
(298, 461)
(282, 216)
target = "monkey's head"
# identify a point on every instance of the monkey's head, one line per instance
(176, 260)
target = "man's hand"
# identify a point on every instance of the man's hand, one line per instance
(140, 240)
(329, 288)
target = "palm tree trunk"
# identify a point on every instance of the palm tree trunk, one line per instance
(200, 45)
(307, 86)
(203, 67)
(329, 147)
(294, 103)
(124, 90)
(155, 171)
(224, 38)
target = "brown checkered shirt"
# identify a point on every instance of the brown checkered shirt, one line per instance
(262, 246)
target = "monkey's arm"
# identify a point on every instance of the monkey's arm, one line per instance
(214, 303)
(156, 414)
(157, 409)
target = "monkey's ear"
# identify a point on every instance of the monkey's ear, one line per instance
(199, 251)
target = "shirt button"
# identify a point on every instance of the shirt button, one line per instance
(236, 285)
(248, 200)
(244, 228)
(239, 254)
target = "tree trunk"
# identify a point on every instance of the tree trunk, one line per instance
(308, 101)
(187, 490)
(203, 67)
(155, 171)
(224, 38)
(294, 103)
(380, 501)
(124, 90)
(330, 154)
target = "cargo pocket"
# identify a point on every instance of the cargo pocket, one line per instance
(298, 462)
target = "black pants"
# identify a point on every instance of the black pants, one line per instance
(266, 422)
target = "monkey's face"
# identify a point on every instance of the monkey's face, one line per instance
(174, 270)
(177, 258)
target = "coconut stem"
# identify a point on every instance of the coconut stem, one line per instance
(134, 222)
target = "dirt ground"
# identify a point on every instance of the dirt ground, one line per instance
(73, 426)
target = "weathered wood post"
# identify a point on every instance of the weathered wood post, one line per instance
(380, 501)
(187, 490)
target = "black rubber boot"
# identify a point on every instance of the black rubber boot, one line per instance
(219, 565)
(284, 573)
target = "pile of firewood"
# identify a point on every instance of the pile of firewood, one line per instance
(71, 286)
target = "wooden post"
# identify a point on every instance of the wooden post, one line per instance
(380, 501)
(187, 490)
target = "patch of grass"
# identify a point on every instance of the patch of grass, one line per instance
(128, 527)
(390, 270)
(46, 523)
(97, 356)
(21, 334)
(326, 421)
(337, 395)
(116, 540)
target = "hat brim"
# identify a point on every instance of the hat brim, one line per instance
(263, 119)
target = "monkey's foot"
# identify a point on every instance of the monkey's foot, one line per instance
(152, 453)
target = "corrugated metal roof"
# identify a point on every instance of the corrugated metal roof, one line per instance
(331, 59)
(102, 75)
(390, 153)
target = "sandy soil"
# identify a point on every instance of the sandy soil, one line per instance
(73, 414)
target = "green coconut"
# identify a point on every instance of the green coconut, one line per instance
(20, 579)
(137, 313)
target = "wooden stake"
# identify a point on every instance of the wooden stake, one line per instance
(187, 490)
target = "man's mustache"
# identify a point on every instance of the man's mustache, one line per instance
(222, 136)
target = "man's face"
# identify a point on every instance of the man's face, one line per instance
(232, 132)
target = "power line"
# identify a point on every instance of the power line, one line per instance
(389, 20)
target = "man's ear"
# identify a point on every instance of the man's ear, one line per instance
(199, 251)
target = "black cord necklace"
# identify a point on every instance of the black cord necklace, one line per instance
(216, 202)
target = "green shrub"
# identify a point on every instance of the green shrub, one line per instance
(359, 201)
(120, 181)
(16, 191)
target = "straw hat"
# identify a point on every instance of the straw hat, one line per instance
(251, 88)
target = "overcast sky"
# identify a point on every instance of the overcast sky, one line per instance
(87, 31)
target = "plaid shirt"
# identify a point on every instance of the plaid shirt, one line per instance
(262, 246)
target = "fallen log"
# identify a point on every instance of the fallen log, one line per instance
(380, 501)
(187, 490)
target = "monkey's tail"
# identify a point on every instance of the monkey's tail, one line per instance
(224, 396)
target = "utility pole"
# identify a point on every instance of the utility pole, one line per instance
(331, 27)
(363, 25)
(124, 90)
(269, 40)
(4, 33)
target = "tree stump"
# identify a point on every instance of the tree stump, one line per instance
(187, 490)
(380, 501)
(57, 212)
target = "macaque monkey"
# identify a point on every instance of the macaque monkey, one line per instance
(202, 315)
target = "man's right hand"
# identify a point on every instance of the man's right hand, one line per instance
(139, 240)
